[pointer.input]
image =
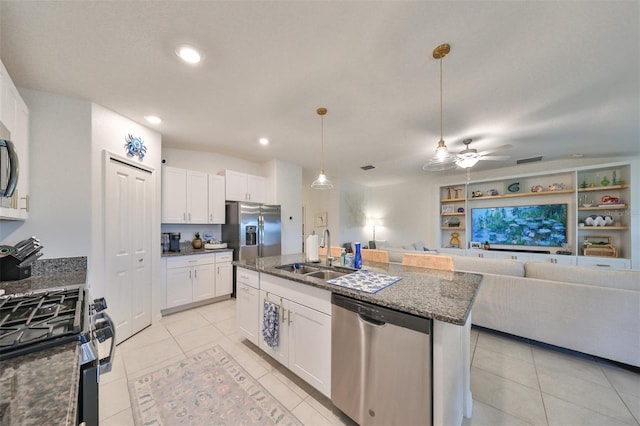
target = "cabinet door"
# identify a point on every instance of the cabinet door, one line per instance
(179, 287)
(216, 199)
(204, 282)
(257, 189)
(248, 312)
(310, 345)
(280, 352)
(174, 195)
(197, 197)
(224, 279)
(235, 186)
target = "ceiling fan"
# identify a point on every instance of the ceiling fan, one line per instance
(469, 156)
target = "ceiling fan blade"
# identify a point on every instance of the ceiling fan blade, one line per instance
(495, 157)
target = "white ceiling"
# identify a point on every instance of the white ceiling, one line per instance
(548, 78)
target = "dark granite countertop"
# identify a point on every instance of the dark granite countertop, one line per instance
(188, 251)
(429, 293)
(41, 387)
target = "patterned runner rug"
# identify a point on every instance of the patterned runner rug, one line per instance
(209, 388)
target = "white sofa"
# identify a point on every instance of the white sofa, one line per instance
(395, 253)
(584, 309)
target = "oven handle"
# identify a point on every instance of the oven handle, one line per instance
(105, 363)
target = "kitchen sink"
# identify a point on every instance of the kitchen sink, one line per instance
(298, 268)
(325, 274)
(322, 272)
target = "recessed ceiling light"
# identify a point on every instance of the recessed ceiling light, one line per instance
(188, 54)
(264, 141)
(153, 119)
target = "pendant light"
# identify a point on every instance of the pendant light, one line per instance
(322, 182)
(443, 159)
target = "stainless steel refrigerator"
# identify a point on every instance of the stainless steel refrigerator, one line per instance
(252, 230)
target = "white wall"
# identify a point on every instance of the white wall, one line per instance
(59, 174)
(287, 191)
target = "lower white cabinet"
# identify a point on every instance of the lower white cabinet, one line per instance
(304, 329)
(248, 304)
(224, 273)
(193, 278)
(604, 262)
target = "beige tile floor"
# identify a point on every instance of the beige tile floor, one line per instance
(513, 383)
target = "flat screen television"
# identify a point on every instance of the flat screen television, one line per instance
(543, 225)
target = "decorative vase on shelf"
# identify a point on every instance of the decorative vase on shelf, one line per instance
(358, 258)
(196, 242)
(604, 181)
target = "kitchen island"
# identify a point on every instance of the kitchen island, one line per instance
(442, 296)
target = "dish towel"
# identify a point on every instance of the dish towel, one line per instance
(270, 324)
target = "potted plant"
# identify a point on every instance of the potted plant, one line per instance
(196, 242)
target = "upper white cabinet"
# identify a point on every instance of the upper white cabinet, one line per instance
(244, 187)
(191, 197)
(14, 119)
(216, 199)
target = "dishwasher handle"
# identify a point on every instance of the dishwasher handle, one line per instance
(380, 315)
(371, 321)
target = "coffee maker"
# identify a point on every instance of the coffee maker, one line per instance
(174, 241)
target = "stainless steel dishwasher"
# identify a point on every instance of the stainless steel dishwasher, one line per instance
(380, 364)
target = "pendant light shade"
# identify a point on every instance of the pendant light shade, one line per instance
(443, 159)
(322, 182)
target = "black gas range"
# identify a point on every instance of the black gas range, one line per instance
(39, 320)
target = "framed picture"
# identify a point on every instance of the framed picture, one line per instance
(447, 208)
(476, 245)
(320, 220)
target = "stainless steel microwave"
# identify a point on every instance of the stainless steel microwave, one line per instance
(8, 168)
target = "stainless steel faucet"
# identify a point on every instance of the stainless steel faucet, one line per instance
(326, 242)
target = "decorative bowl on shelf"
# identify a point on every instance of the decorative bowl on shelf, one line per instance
(587, 205)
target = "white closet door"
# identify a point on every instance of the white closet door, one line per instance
(128, 203)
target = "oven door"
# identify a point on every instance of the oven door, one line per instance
(8, 168)
(92, 366)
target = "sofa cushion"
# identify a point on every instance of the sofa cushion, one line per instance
(489, 266)
(610, 278)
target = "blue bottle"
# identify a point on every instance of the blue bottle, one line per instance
(358, 259)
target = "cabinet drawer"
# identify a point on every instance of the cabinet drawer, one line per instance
(250, 278)
(224, 257)
(192, 260)
(603, 262)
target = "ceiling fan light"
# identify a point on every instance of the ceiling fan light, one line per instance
(467, 162)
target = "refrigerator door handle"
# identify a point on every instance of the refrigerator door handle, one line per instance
(260, 235)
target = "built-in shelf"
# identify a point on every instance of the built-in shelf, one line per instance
(453, 228)
(522, 194)
(453, 200)
(603, 188)
(604, 228)
(616, 207)
(452, 214)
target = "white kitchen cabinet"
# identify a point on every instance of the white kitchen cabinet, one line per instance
(197, 197)
(245, 187)
(305, 329)
(223, 274)
(184, 196)
(216, 199)
(248, 304)
(14, 116)
(309, 338)
(190, 279)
